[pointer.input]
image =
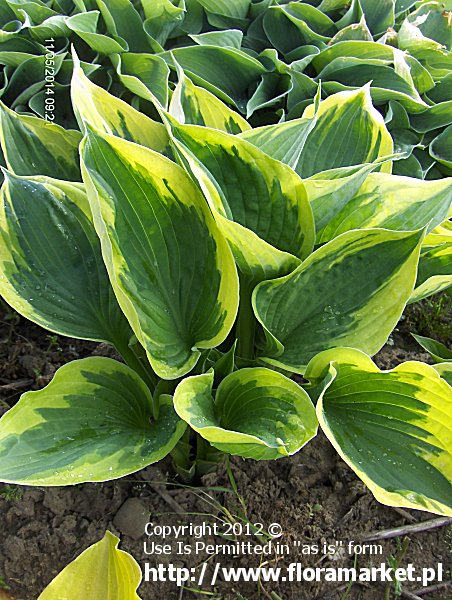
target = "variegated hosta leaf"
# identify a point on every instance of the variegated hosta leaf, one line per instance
(51, 267)
(435, 264)
(431, 286)
(101, 572)
(257, 413)
(393, 428)
(445, 371)
(33, 146)
(171, 269)
(350, 292)
(99, 109)
(349, 131)
(437, 350)
(93, 422)
(259, 203)
(191, 104)
(330, 191)
(391, 202)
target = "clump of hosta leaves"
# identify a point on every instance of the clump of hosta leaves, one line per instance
(221, 257)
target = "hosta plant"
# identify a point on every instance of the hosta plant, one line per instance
(245, 275)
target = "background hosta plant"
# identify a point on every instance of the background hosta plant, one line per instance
(264, 59)
(226, 221)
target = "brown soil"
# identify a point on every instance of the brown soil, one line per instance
(314, 496)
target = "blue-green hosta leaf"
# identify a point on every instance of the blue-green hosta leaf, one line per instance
(259, 203)
(387, 83)
(431, 54)
(14, 53)
(93, 422)
(429, 166)
(27, 80)
(162, 18)
(238, 9)
(53, 27)
(257, 413)
(409, 167)
(332, 5)
(123, 20)
(229, 38)
(283, 141)
(405, 142)
(301, 95)
(397, 116)
(393, 428)
(433, 22)
(145, 75)
(355, 31)
(402, 6)
(36, 10)
(381, 203)
(101, 572)
(441, 147)
(421, 77)
(191, 104)
(224, 22)
(302, 58)
(170, 267)
(380, 96)
(271, 91)
(226, 72)
(10, 30)
(353, 48)
(437, 350)
(32, 146)
(349, 131)
(296, 24)
(434, 117)
(379, 15)
(350, 292)
(442, 92)
(96, 107)
(7, 14)
(51, 268)
(85, 25)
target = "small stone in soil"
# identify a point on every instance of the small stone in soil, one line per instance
(131, 518)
